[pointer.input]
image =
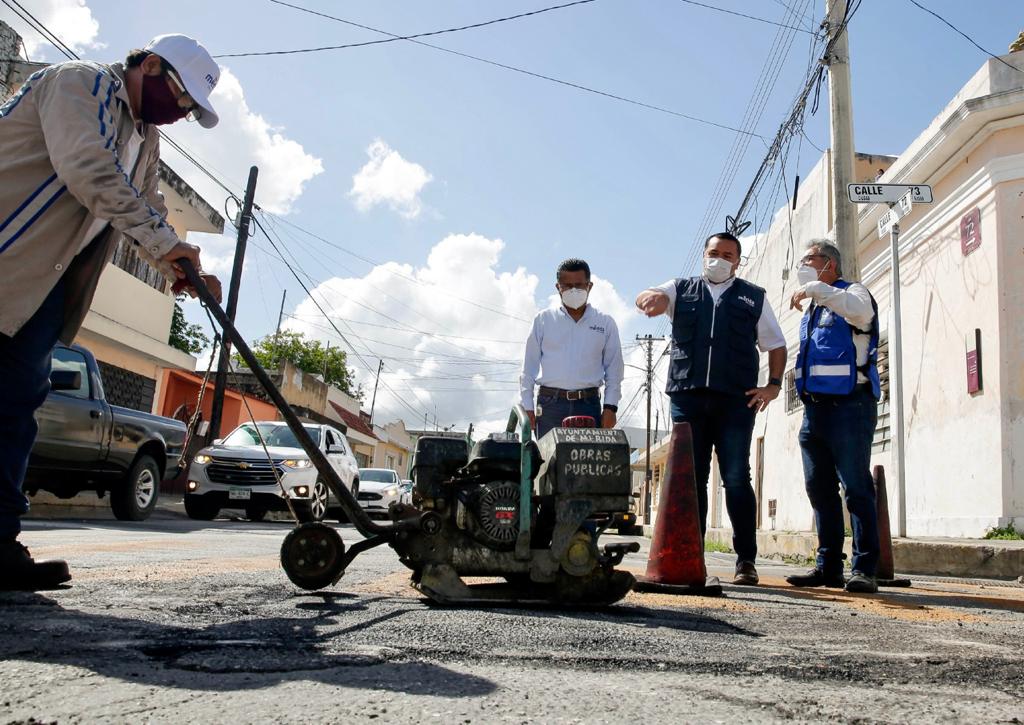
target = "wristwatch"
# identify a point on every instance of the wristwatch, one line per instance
(612, 408)
(775, 381)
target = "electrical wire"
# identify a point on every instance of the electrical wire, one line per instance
(966, 36)
(749, 17)
(406, 37)
(523, 71)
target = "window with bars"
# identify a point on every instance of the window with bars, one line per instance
(882, 440)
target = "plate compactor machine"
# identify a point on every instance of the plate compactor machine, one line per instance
(524, 515)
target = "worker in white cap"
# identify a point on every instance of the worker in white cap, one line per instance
(79, 159)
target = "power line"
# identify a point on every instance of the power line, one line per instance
(38, 26)
(405, 37)
(749, 17)
(392, 272)
(966, 36)
(340, 334)
(523, 71)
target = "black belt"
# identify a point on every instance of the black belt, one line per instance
(827, 398)
(571, 394)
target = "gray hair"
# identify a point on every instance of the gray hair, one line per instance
(826, 247)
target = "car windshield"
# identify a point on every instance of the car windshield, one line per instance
(369, 474)
(274, 434)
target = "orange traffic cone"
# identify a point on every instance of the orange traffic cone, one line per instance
(886, 574)
(676, 562)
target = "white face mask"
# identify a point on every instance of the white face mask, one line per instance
(807, 274)
(717, 270)
(574, 298)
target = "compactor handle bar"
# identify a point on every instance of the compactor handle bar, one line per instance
(355, 512)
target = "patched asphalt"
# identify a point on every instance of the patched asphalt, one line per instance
(171, 620)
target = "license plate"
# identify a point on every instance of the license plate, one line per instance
(236, 493)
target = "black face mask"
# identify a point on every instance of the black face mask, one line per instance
(159, 106)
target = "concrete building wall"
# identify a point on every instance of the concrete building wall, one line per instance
(1010, 361)
(963, 476)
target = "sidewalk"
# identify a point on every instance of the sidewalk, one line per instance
(970, 558)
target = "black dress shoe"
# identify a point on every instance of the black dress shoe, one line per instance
(817, 578)
(746, 574)
(20, 572)
(861, 583)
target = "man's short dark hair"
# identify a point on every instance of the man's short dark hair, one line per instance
(135, 58)
(730, 237)
(573, 265)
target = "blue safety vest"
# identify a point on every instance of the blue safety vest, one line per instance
(827, 360)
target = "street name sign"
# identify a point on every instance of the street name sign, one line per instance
(888, 193)
(896, 212)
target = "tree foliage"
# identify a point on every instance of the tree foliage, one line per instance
(185, 336)
(310, 356)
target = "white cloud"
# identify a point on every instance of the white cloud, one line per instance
(70, 20)
(469, 375)
(243, 138)
(387, 178)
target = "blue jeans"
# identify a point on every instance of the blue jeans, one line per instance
(551, 410)
(724, 422)
(835, 442)
(25, 381)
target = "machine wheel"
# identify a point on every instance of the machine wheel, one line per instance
(198, 508)
(312, 556)
(135, 498)
(255, 513)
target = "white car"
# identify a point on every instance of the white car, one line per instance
(235, 472)
(378, 489)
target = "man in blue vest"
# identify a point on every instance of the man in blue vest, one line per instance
(719, 323)
(837, 378)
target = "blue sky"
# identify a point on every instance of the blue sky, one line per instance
(550, 171)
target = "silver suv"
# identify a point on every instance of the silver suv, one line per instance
(235, 473)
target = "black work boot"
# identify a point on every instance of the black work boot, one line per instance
(861, 583)
(817, 578)
(19, 572)
(746, 574)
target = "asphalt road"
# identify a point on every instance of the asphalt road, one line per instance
(171, 621)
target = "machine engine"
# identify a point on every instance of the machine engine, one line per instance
(577, 480)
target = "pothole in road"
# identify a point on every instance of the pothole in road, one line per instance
(254, 656)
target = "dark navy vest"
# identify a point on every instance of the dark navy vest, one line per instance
(827, 360)
(713, 346)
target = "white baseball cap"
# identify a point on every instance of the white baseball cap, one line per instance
(199, 72)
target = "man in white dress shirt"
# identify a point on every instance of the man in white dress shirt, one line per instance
(719, 323)
(571, 351)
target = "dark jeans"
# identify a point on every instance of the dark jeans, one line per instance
(551, 410)
(25, 381)
(835, 441)
(725, 423)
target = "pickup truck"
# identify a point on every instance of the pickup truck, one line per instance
(86, 444)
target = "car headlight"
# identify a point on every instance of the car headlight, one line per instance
(390, 491)
(202, 458)
(297, 463)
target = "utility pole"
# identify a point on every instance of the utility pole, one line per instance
(844, 212)
(648, 340)
(373, 402)
(280, 315)
(244, 219)
(327, 355)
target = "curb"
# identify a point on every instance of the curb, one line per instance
(970, 558)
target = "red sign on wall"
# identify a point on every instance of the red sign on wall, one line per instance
(970, 231)
(973, 344)
(973, 378)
